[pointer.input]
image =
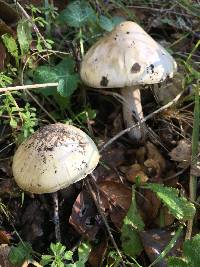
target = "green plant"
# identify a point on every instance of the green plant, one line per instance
(179, 206)
(18, 117)
(18, 254)
(191, 254)
(60, 257)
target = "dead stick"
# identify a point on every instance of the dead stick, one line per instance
(29, 86)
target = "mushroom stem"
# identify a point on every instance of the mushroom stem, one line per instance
(132, 111)
(56, 217)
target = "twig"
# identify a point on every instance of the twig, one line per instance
(142, 121)
(95, 197)
(29, 86)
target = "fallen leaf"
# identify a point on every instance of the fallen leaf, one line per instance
(98, 252)
(135, 171)
(84, 216)
(8, 13)
(117, 198)
(182, 153)
(148, 205)
(154, 154)
(154, 242)
(153, 168)
(167, 217)
(5, 237)
(114, 156)
(169, 89)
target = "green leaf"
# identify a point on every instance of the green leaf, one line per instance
(18, 254)
(46, 74)
(133, 223)
(77, 14)
(179, 206)
(13, 123)
(130, 240)
(191, 250)
(117, 20)
(133, 217)
(176, 262)
(68, 255)
(68, 85)
(105, 23)
(46, 259)
(63, 73)
(11, 46)
(83, 252)
(191, 254)
(24, 35)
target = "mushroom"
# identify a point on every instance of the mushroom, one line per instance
(54, 157)
(127, 57)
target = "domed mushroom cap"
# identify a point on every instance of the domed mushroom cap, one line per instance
(54, 157)
(124, 57)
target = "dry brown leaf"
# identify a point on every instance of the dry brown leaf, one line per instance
(5, 237)
(182, 153)
(83, 216)
(155, 241)
(154, 154)
(8, 13)
(141, 154)
(113, 157)
(153, 167)
(148, 205)
(135, 171)
(168, 218)
(170, 89)
(119, 198)
(98, 252)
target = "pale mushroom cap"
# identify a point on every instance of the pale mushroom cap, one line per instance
(54, 157)
(124, 57)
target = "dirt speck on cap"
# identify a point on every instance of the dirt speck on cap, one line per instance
(104, 81)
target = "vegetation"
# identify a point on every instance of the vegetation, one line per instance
(41, 46)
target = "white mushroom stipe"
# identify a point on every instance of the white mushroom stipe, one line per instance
(126, 57)
(54, 157)
(132, 111)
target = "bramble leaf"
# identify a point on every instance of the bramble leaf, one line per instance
(179, 206)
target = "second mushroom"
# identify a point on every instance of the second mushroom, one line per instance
(127, 58)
